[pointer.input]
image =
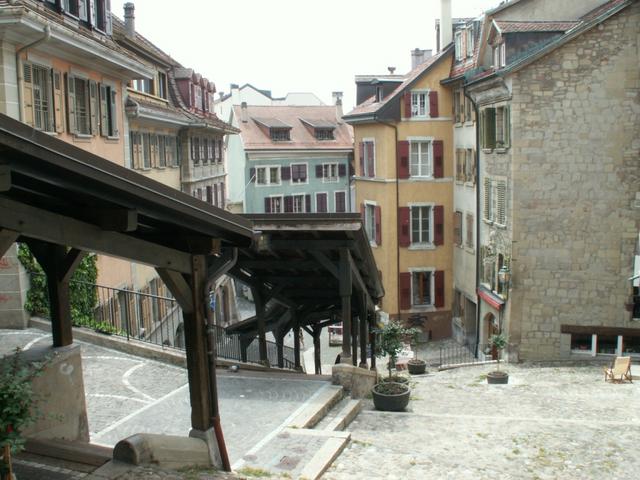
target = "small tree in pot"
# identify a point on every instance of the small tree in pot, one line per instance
(499, 342)
(392, 393)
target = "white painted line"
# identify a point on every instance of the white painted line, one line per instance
(110, 357)
(240, 463)
(34, 341)
(119, 397)
(115, 425)
(125, 380)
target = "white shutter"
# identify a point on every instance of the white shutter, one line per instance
(107, 14)
(501, 200)
(27, 94)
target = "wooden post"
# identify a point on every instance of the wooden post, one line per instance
(364, 322)
(316, 350)
(296, 340)
(372, 341)
(6, 458)
(345, 297)
(354, 340)
(260, 314)
(244, 346)
(280, 334)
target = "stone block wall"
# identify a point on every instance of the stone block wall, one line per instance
(576, 173)
(14, 284)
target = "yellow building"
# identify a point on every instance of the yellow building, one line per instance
(404, 188)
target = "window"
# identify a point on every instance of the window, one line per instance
(495, 201)
(162, 154)
(146, 151)
(340, 202)
(370, 221)
(494, 127)
(460, 165)
(135, 145)
(470, 242)
(108, 111)
(78, 107)
(273, 204)
(72, 7)
(419, 104)
(100, 15)
(457, 108)
(470, 45)
(457, 228)
(379, 93)
(299, 173)
(330, 172)
(143, 85)
(268, 175)
(324, 133)
(468, 109)
(298, 203)
(422, 288)
(197, 97)
(162, 85)
(458, 45)
(421, 220)
(607, 344)
(321, 203)
(280, 134)
(581, 342)
(42, 102)
(368, 158)
(195, 150)
(421, 165)
(499, 55)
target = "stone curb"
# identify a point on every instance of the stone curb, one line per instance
(317, 409)
(346, 416)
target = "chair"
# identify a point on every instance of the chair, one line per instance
(619, 371)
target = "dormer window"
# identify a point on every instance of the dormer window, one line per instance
(324, 133)
(144, 85)
(499, 55)
(379, 93)
(459, 46)
(197, 97)
(162, 86)
(280, 134)
(469, 42)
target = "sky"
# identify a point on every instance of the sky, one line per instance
(294, 45)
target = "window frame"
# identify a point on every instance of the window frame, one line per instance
(298, 203)
(430, 223)
(429, 164)
(48, 114)
(85, 84)
(335, 201)
(326, 196)
(276, 198)
(267, 175)
(415, 103)
(329, 178)
(365, 142)
(370, 221)
(306, 173)
(432, 287)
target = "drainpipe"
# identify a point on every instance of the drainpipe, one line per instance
(478, 259)
(45, 38)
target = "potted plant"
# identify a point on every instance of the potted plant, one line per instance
(415, 365)
(498, 342)
(390, 394)
(17, 406)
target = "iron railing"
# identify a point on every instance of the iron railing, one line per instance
(158, 320)
(462, 354)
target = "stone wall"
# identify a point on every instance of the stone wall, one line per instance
(576, 172)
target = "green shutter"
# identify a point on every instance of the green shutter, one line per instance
(104, 111)
(490, 128)
(507, 127)
(71, 103)
(93, 106)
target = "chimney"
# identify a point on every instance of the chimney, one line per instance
(243, 112)
(130, 19)
(418, 57)
(446, 25)
(337, 100)
(391, 70)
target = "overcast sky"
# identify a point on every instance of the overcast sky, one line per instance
(293, 45)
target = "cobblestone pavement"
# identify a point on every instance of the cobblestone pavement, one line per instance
(547, 423)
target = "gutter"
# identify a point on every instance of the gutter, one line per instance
(45, 38)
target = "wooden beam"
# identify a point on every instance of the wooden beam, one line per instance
(330, 266)
(54, 228)
(345, 296)
(277, 264)
(7, 238)
(260, 315)
(5, 177)
(179, 288)
(115, 219)
(72, 260)
(364, 323)
(203, 245)
(296, 339)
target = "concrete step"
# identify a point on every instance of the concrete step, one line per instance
(318, 407)
(345, 413)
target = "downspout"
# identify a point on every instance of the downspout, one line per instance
(45, 38)
(212, 353)
(395, 129)
(478, 259)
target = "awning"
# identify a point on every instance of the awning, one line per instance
(491, 298)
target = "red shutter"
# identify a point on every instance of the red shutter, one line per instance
(252, 174)
(371, 160)
(405, 291)
(439, 280)
(438, 220)
(378, 214)
(403, 159)
(288, 204)
(318, 171)
(407, 104)
(438, 160)
(404, 216)
(362, 159)
(342, 170)
(433, 104)
(267, 205)
(307, 203)
(285, 173)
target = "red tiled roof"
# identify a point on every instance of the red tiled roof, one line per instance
(299, 118)
(596, 12)
(516, 27)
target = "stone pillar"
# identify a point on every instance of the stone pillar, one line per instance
(14, 285)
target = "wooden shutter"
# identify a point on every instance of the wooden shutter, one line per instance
(285, 173)
(361, 159)
(93, 107)
(342, 170)
(407, 104)
(252, 175)
(490, 128)
(438, 159)
(58, 116)
(371, 160)
(27, 94)
(321, 202)
(433, 104)
(214, 196)
(113, 118)
(403, 159)
(267, 205)
(486, 206)
(501, 200)
(288, 204)
(362, 213)
(439, 288)
(438, 220)
(378, 220)
(405, 290)
(307, 203)
(107, 16)
(223, 198)
(319, 171)
(457, 228)
(404, 225)
(104, 111)
(507, 127)
(71, 103)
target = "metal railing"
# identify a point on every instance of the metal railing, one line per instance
(463, 354)
(158, 320)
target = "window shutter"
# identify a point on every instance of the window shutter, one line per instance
(457, 228)
(267, 205)
(113, 119)
(223, 198)
(438, 220)
(481, 127)
(407, 104)
(58, 116)
(212, 197)
(371, 160)
(27, 94)
(342, 170)
(490, 128)
(288, 204)
(404, 220)
(285, 172)
(439, 288)
(93, 106)
(487, 199)
(318, 171)
(507, 127)
(433, 104)
(438, 159)
(403, 159)
(104, 111)
(405, 290)
(378, 217)
(362, 212)
(307, 203)
(321, 202)
(252, 175)
(71, 103)
(109, 26)
(361, 159)
(501, 193)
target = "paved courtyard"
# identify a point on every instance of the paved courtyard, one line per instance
(548, 423)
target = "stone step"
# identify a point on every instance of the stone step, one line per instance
(79, 452)
(318, 407)
(332, 414)
(346, 414)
